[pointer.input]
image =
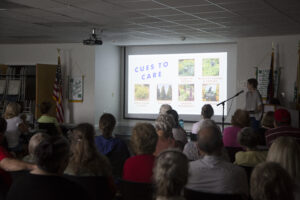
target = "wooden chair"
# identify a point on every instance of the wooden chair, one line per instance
(98, 187)
(197, 195)
(136, 191)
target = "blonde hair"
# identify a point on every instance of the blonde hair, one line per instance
(170, 173)
(286, 152)
(269, 181)
(12, 110)
(268, 120)
(144, 138)
(165, 123)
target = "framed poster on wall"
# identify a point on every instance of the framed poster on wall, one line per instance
(75, 89)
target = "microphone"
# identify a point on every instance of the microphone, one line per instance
(240, 92)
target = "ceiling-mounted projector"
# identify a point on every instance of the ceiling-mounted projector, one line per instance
(93, 40)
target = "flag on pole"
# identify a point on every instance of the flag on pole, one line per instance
(297, 89)
(270, 92)
(57, 92)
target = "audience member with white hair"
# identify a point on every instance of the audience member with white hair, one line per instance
(212, 173)
(164, 108)
(170, 174)
(34, 141)
(164, 125)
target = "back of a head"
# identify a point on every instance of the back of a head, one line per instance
(52, 154)
(240, 118)
(12, 110)
(107, 124)
(268, 120)
(269, 181)
(282, 117)
(35, 140)
(170, 173)
(253, 82)
(45, 107)
(207, 111)
(165, 123)
(143, 138)
(209, 139)
(164, 108)
(3, 125)
(247, 137)
(286, 152)
(175, 116)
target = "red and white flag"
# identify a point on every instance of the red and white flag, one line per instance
(57, 92)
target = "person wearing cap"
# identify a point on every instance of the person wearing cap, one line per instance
(282, 124)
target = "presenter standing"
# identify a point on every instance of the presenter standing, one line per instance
(254, 104)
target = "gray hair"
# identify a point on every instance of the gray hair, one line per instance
(210, 139)
(247, 137)
(170, 173)
(165, 123)
(164, 109)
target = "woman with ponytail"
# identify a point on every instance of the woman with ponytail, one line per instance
(45, 182)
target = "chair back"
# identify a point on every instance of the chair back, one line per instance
(98, 187)
(248, 171)
(136, 191)
(197, 195)
(49, 128)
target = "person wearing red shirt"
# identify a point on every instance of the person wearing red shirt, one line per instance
(139, 167)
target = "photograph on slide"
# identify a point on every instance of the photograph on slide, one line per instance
(210, 92)
(141, 92)
(186, 67)
(210, 67)
(164, 92)
(186, 92)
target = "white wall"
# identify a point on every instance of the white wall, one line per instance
(256, 52)
(76, 59)
(107, 81)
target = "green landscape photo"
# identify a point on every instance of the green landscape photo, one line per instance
(186, 67)
(186, 92)
(210, 67)
(141, 92)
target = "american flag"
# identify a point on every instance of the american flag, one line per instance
(57, 92)
(270, 94)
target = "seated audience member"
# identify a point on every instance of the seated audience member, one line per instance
(15, 127)
(164, 109)
(269, 181)
(267, 123)
(85, 160)
(239, 120)
(143, 142)
(286, 152)
(34, 141)
(170, 175)
(207, 112)
(45, 181)
(164, 125)
(46, 117)
(113, 148)
(7, 163)
(212, 173)
(179, 133)
(191, 149)
(282, 124)
(249, 140)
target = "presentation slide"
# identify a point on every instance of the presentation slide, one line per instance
(185, 81)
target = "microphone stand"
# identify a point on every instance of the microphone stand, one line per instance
(223, 107)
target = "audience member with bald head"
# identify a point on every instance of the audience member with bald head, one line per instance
(212, 173)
